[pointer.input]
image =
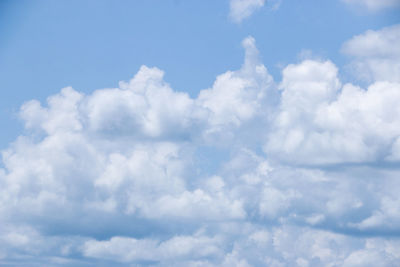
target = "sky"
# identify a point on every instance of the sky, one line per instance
(200, 133)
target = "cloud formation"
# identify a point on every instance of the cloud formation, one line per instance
(251, 172)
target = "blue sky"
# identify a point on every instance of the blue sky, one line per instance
(200, 133)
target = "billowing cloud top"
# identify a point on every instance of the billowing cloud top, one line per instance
(251, 172)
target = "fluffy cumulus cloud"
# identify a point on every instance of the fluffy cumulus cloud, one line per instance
(251, 172)
(376, 55)
(373, 5)
(241, 9)
(323, 122)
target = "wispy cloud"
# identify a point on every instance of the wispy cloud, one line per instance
(373, 5)
(241, 9)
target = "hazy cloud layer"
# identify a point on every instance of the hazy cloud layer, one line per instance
(251, 172)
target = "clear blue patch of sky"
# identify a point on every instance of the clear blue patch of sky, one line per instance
(46, 45)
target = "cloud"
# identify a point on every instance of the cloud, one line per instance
(124, 249)
(373, 5)
(375, 54)
(312, 247)
(241, 9)
(321, 121)
(237, 97)
(327, 126)
(251, 172)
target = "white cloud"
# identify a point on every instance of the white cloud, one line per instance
(241, 9)
(124, 249)
(62, 114)
(322, 122)
(278, 246)
(376, 54)
(123, 175)
(374, 5)
(236, 97)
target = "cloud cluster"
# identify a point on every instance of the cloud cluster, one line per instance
(251, 172)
